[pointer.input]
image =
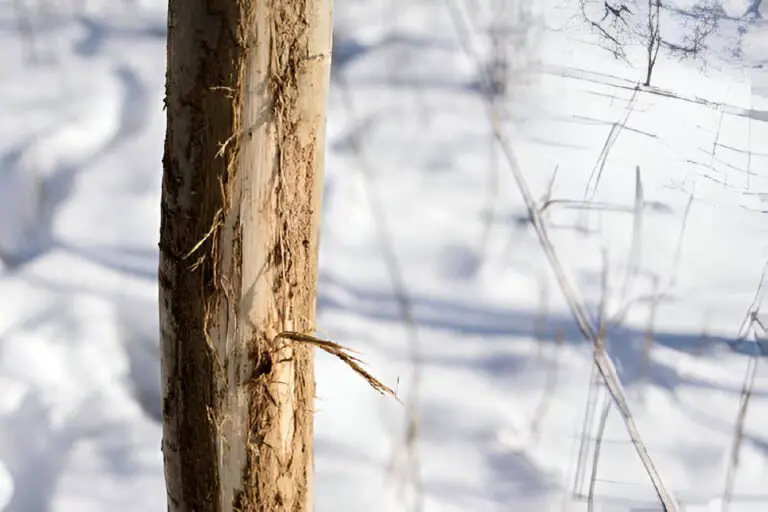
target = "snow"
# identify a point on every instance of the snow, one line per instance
(504, 384)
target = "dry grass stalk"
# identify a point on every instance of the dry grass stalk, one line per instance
(596, 455)
(597, 171)
(586, 428)
(603, 361)
(738, 436)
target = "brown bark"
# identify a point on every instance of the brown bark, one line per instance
(246, 92)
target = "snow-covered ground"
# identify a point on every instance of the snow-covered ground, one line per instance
(508, 418)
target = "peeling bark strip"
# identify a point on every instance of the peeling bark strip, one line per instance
(246, 91)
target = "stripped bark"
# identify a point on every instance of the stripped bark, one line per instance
(246, 91)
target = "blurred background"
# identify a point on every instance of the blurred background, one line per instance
(494, 177)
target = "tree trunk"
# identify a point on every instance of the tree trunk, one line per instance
(246, 90)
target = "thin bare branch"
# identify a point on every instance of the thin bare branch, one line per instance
(635, 250)
(586, 428)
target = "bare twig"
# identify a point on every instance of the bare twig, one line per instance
(626, 23)
(613, 42)
(597, 171)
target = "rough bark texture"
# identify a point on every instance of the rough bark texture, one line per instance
(246, 92)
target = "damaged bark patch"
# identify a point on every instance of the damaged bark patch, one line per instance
(246, 92)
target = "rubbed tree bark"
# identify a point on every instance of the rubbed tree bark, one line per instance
(246, 90)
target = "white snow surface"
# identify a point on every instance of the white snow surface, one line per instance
(505, 375)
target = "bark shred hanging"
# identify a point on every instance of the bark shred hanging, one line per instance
(275, 453)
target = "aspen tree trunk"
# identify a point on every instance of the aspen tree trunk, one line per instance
(246, 90)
